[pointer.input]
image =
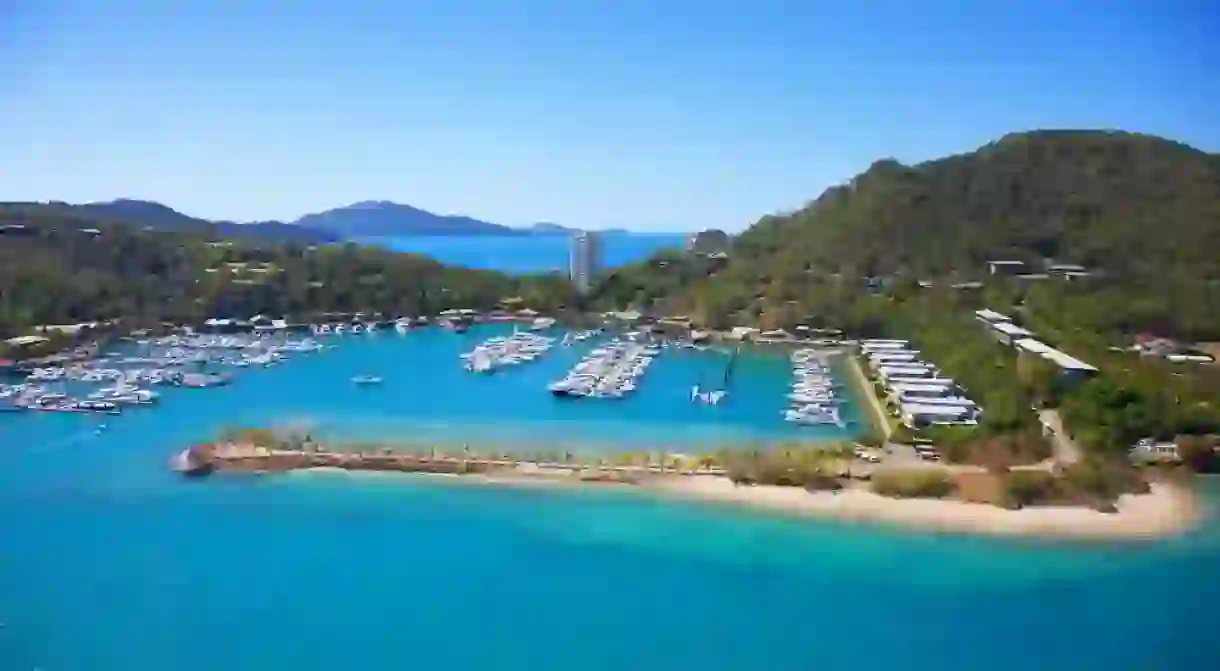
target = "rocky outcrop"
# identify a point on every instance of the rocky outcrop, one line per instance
(196, 460)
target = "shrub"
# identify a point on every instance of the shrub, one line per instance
(816, 481)
(1026, 487)
(1101, 480)
(933, 483)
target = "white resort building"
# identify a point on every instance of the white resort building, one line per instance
(584, 259)
(915, 388)
(1003, 329)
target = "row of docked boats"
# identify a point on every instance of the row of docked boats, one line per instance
(401, 325)
(610, 371)
(108, 401)
(572, 337)
(114, 380)
(498, 352)
(814, 399)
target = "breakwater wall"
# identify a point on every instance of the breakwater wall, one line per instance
(207, 459)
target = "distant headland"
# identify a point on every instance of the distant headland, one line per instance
(366, 219)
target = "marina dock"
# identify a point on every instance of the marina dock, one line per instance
(610, 371)
(814, 398)
(499, 352)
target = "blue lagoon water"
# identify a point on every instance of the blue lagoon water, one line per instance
(526, 254)
(110, 562)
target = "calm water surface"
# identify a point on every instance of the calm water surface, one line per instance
(107, 561)
(527, 254)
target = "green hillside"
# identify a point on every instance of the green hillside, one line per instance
(58, 266)
(1142, 213)
(1121, 202)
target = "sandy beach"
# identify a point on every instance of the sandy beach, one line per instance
(1167, 510)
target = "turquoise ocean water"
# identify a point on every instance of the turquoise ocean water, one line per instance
(527, 254)
(110, 562)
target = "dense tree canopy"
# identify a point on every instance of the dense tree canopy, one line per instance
(54, 271)
(900, 250)
(1142, 213)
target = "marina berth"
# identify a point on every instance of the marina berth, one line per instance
(498, 352)
(814, 399)
(108, 382)
(609, 371)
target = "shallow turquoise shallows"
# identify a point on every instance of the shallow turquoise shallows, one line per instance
(110, 562)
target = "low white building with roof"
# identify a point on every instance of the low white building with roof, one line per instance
(1070, 365)
(1004, 267)
(1007, 332)
(915, 390)
(876, 345)
(920, 415)
(991, 316)
(906, 370)
(883, 358)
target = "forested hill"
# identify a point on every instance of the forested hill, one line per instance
(1121, 202)
(58, 266)
(1142, 213)
(157, 217)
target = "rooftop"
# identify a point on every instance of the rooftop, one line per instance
(1010, 329)
(891, 355)
(925, 385)
(991, 316)
(1061, 359)
(935, 409)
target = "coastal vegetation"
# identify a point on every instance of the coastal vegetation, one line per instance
(903, 251)
(899, 251)
(1093, 482)
(921, 483)
(142, 277)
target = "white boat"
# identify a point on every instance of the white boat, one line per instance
(366, 379)
(542, 323)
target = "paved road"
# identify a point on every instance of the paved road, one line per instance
(866, 388)
(1067, 451)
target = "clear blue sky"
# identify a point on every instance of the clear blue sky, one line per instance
(652, 115)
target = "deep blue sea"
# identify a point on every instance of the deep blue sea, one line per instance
(527, 254)
(110, 562)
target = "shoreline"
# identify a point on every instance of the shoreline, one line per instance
(1167, 510)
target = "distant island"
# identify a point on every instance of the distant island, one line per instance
(158, 217)
(383, 218)
(548, 228)
(366, 219)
